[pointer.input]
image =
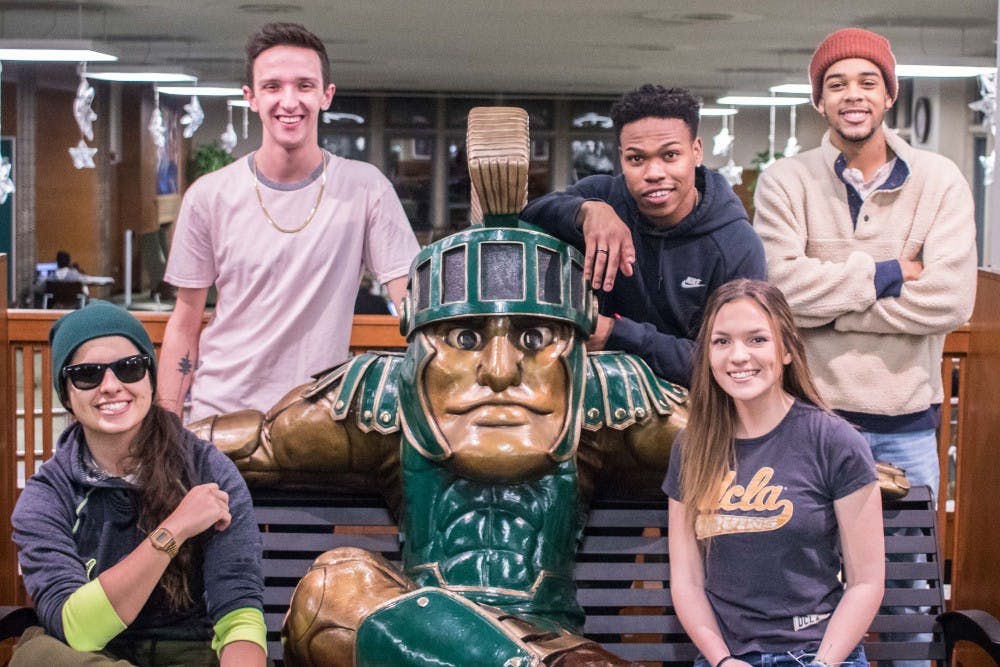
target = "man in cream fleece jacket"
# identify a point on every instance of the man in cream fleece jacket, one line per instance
(873, 243)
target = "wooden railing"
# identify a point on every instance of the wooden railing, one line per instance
(31, 416)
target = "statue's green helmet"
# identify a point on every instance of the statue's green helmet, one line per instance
(497, 270)
(503, 267)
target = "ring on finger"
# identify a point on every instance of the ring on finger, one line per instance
(604, 250)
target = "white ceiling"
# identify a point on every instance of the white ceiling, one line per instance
(550, 47)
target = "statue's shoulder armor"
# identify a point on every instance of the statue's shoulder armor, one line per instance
(622, 390)
(369, 380)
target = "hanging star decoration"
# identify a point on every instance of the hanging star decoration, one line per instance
(82, 112)
(732, 172)
(193, 117)
(6, 183)
(722, 141)
(83, 155)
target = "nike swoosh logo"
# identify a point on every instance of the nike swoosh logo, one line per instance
(690, 282)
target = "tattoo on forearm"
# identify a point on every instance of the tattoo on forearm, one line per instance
(184, 366)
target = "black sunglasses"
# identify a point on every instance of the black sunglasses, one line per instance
(127, 370)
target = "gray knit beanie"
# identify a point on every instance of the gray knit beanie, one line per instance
(96, 320)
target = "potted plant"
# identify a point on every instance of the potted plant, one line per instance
(207, 158)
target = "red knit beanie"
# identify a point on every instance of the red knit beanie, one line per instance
(852, 43)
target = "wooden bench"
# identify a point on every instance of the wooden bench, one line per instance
(623, 574)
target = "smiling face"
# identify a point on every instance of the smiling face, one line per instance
(289, 94)
(658, 158)
(746, 357)
(497, 388)
(111, 412)
(854, 100)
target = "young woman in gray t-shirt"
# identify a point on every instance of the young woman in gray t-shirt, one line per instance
(771, 497)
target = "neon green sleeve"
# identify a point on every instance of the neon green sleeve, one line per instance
(89, 620)
(244, 624)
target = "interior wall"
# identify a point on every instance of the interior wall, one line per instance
(66, 198)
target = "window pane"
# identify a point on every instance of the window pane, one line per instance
(592, 155)
(590, 115)
(353, 146)
(539, 168)
(457, 109)
(408, 166)
(410, 112)
(539, 113)
(347, 112)
(459, 197)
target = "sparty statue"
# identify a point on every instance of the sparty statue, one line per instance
(488, 438)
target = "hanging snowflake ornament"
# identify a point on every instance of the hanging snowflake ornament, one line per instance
(157, 128)
(6, 183)
(193, 117)
(792, 146)
(722, 141)
(987, 103)
(988, 161)
(732, 172)
(227, 141)
(82, 111)
(83, 155)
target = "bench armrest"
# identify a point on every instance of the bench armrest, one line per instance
(972, 625)
(15, 620)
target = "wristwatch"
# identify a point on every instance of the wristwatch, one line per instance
(163, 539)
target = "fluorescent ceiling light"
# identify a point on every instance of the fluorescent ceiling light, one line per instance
(142, 74)
(55, 50)
(238, 103)
(942, 71)
(792, 88)
(716, 111)
(211, 91)
(761, 101)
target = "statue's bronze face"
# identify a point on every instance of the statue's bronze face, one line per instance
(497, 389)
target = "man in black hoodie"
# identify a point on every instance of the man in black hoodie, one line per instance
(674, 229)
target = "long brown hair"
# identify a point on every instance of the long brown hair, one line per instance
(709, 442)
(160, 460)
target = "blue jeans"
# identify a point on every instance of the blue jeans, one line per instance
(916, 453)
(856, 658)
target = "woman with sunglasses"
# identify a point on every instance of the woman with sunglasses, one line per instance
(771, 498)
(137, 541)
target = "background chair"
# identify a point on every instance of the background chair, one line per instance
(67, 294)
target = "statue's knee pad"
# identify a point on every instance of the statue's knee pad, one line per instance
(340, 589)
(434, 626)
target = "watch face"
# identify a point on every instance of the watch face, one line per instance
(161, 538)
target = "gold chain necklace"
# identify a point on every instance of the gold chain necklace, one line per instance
(312, 213)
